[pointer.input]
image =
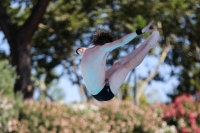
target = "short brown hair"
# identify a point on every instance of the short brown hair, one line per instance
(101, 37)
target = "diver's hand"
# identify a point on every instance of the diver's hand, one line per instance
(146, 29)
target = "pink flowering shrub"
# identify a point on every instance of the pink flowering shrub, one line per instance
(8, 110)
(184, 113)
(115, 117)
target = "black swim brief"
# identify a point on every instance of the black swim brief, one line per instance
(105, 94)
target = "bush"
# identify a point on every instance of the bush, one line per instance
(111, 116)
(9, 109)
(7, 78)
(42, 117)
(184, 113)
(9, 106)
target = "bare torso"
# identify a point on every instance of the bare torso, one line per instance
(93, 67)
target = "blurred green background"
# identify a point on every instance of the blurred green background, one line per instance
(41, 36)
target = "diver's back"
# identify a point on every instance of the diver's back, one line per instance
(93, 66)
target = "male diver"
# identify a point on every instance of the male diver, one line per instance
(104, 84)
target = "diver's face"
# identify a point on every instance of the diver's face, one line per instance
(81, 51)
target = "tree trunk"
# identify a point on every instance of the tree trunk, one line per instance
(19, 39)
(20, 56)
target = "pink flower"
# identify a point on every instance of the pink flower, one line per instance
(172, 111)
(181, 112)
(194, 127)
(177, 101)
(190, 97)
(167, 114)
(184, 95)
(192, 115)
(197, 131)
(184, 130)
(192, 121)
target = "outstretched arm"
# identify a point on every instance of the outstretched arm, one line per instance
(124, 40)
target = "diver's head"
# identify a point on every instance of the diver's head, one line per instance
(102, 37)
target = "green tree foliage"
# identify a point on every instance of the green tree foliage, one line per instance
(7, 78)
(186, 51)
(69, 24)
(62, 26)
(9, 106)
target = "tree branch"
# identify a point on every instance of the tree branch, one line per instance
(197, 53)
(5, 22)
(153, 74)
(35, 18)
(49, 96)
(40, 84)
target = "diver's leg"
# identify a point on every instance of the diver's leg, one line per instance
(131, 61)
(127, 58)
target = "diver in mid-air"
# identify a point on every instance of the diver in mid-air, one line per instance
(104, 84)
